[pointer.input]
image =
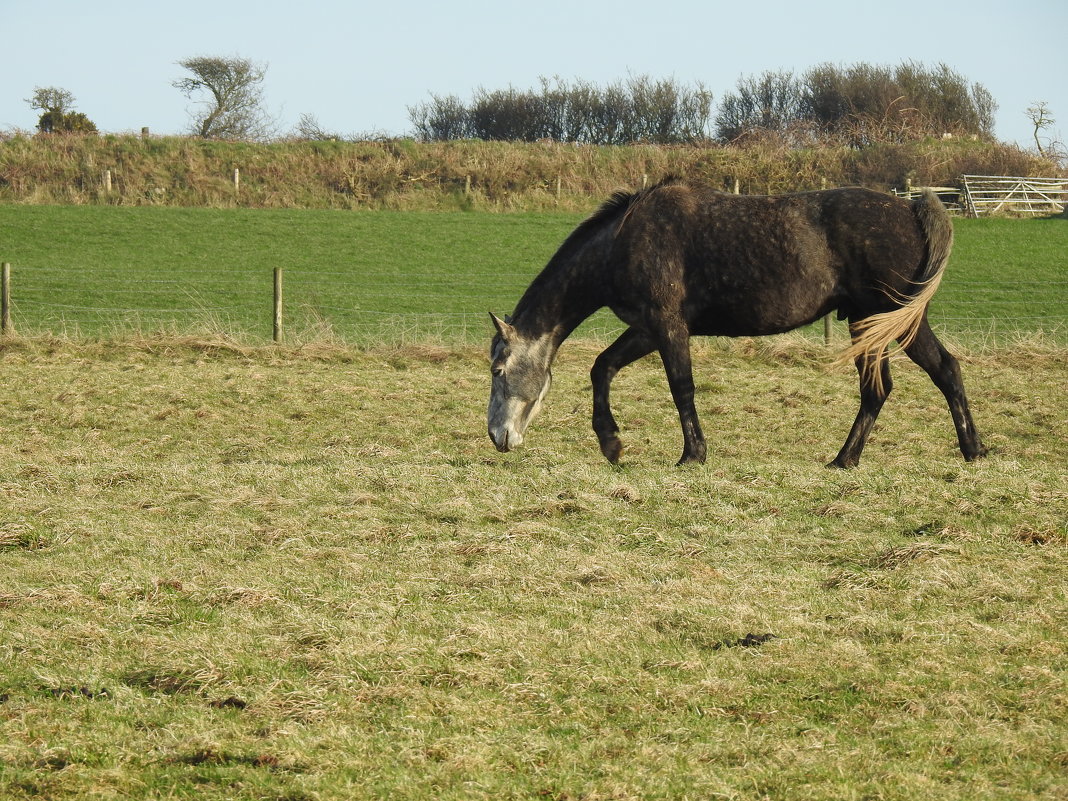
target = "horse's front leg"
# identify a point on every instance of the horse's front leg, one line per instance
(631, 346)
(675, 351)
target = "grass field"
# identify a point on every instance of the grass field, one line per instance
(304, 574)
(373, 277)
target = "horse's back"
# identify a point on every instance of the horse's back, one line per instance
(750, 264)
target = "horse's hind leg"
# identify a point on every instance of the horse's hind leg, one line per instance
(631, 346)
(944, 370)
(872, 398)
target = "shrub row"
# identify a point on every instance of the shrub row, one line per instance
(858, 106)
(639, 110)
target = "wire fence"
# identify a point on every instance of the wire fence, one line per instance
(426, 305)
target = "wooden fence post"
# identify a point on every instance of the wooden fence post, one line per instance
(237, 179)
(277, 305)
(827, 330)
(5, 299)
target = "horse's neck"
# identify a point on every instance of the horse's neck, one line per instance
(570, 288)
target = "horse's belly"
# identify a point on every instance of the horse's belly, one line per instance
(760, 314)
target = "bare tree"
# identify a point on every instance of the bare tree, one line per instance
(232, 104)
(1042, 118)
(309, 130)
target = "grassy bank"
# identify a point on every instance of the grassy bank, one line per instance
(241, 573)
(491, 176)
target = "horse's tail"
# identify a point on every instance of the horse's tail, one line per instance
(873, 335)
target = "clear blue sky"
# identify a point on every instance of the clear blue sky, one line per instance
(358, 66)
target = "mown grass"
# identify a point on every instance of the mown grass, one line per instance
(250, 572)
(371, 277)
(365, 276)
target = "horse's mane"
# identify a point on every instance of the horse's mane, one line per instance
(613, 210)
(616, 207)
(619, 203)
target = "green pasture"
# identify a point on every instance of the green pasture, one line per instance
(303, 574)
(373, 277)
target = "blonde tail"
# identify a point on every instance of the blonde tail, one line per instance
(873, 335)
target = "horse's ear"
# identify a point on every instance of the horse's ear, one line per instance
(504, 327)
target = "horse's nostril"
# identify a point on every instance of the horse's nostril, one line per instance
(500, 443)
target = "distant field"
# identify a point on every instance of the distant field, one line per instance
(372, 277)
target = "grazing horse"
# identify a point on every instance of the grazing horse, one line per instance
(679, 259)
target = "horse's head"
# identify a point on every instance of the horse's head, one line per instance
(521, 379)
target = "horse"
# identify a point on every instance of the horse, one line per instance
(679, 259)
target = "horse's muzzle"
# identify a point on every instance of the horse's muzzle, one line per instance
(505, 440)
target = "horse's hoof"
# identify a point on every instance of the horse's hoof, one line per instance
(612, 449)
(842, 464)
(690, 459)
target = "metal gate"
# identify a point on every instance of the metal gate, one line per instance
(992, 194)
